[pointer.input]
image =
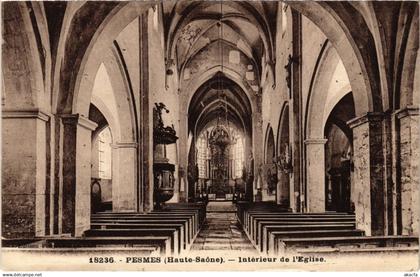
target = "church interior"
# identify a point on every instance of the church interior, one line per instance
(190, 126)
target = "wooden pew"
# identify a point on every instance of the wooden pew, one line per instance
(251, 224)
(185, 232)
(260, 220)
(249, 217)
(257, 230)
(200, 207)
(297, 244)
(401, 250)
(18, 242)
(242, 207)
(161, 243)
(174, 216)
(143, 251)
(146, 243)
(258, 239)
(158, 217)
(271, 234)
(174, 227)
(255, 220)
(189, 228)
(194, 214)
(176, 243)
(189, 231)
(180, 227)
(252, 220)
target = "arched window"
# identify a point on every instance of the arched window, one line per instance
(105, 155)
(202, 156)
(239, 157)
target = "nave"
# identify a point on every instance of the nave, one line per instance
(222, 233)
(145, 118)
(223, 228)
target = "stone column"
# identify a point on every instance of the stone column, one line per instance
(258, 149)
(368, 192)
(264, 183)
(315, 170)
(77, 137)
(410, 159)
(23, 173)
(124, 177)
(283, 187)
(183, 151)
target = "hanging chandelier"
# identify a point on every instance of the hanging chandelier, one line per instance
(220, 136)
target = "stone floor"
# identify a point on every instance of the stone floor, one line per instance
(220, 206)
(222, 233)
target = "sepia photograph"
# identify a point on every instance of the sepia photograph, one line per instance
(181, 135)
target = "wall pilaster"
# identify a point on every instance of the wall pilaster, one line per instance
(124, 177)
(77, 136)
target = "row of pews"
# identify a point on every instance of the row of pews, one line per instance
(168, 231)
(276, 231)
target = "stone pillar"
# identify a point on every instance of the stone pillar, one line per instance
(77, 137)
(23, 173)
(410, 159)
(257, 151)
(368, 192)
(183, 153)
(295, 112)
(283, 188)
(124, 177)
(315, 170)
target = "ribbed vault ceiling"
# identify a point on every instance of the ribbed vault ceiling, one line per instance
(192, 26)
(221, 98)
(203, 34)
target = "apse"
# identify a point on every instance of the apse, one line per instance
(219, 117)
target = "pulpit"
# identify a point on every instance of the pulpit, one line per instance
(163, 171)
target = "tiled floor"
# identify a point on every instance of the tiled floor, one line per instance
(222, 232)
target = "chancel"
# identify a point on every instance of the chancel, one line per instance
(195, 128)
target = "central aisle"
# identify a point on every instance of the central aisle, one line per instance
(222, 233)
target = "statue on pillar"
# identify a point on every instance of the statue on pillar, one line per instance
(288, 68)
(251, 165)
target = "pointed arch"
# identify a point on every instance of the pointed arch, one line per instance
(269, 145)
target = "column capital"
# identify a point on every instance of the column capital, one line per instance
(30, 114)
(407, 111)
(315, 141)
(79, 120)
(119, 145)
(368, 117)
